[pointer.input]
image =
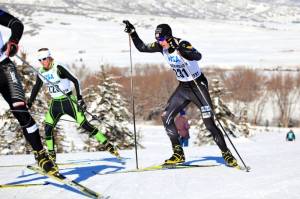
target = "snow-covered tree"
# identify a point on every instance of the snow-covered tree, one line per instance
(12, 141)
(244, 124)
(229, 122)
(106, 102)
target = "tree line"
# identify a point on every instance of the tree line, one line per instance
(270, 97)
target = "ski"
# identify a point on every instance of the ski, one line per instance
(22, 185)
(59, 164)
(239, 167)
(160, 167)
(71, 183)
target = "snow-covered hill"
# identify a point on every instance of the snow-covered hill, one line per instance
(244, 10)
(274, 173)
(228, 33)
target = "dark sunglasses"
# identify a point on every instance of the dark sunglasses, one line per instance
(43, 59)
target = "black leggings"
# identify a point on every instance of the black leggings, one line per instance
(59, 107)
(13, 93)
(185, 93)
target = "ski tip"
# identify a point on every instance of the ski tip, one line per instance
(247, 168)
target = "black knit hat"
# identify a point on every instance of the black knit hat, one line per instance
(163, 30)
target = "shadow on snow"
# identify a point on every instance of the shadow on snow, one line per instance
(84, 172)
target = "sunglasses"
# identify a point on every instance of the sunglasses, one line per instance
(43, 59)
(162, 38)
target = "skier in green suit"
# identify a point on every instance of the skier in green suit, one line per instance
(60, 77)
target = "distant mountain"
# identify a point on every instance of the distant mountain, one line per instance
(253, 10)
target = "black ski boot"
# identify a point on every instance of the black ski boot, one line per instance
(111, 149)
(44, 162)
(177, 157)
(229, 159)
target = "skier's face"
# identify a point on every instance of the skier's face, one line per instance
(163, 42)
(46, 62)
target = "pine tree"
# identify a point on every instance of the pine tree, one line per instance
(106, 102)
(227, 119)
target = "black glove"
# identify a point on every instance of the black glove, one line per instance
(129, 28)
(29, 104)
(10, 48)
(81, 104)
(173, 42)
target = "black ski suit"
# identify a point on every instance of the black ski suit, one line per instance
(11, 87)
(186, 91)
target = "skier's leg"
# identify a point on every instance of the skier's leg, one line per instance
(52, 117)
(175, 103)
(201, 100)
(15, 97)
(29, 127)
(13, 93)
(72, 109)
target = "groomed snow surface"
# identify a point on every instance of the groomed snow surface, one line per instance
(275, 173)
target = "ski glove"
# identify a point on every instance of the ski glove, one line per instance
(129, 28)
(82, 106)
(10, 48)
(173, 42)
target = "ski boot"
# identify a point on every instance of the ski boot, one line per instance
(229, 159)
(44, 162)
(111, 149)
(177, 157)
(52, 155)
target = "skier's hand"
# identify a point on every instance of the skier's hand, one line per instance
(10, 48)
(129, 28)
(82, 106)
(173, 42)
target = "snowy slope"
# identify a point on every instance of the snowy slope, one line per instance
(227, 33)
(274, 175)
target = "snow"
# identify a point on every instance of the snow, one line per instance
(274, 174)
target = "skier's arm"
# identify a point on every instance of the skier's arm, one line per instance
(142, 47)
(139, 44)
(35, 90)
(14, 24)
(65, 73)
(188, 51)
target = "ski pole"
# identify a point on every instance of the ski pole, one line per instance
(213, 114)
(132, 101)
